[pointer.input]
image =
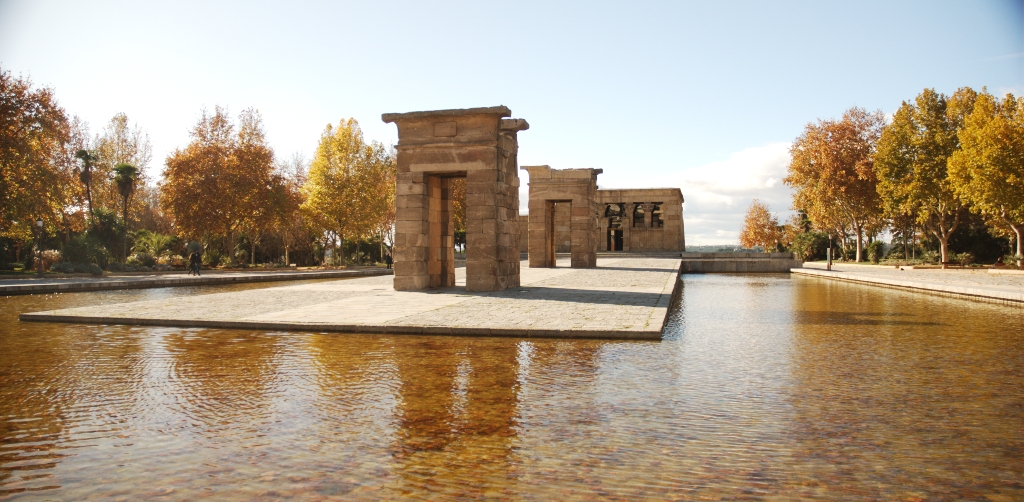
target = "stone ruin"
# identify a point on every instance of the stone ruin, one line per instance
(435, 147)
(576, 188)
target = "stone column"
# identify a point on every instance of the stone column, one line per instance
(627, 227)
(648, 215)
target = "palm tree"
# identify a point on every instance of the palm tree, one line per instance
(87, 158)
(125, 176)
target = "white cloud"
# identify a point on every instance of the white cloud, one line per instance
(718, 194)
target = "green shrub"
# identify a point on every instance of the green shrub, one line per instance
(876, 249)
(89, 268)
(962, 258)
(142, 259)
(85, 248)
(929, 256)
(63, 267)
(154, 243)
(212, 256)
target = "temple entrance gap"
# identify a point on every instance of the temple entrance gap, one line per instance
(434, 148)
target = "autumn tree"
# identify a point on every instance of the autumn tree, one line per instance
(380, 188)
(760, 227)
(291, 227)
(911, 163)
(223, 180)
(37, 164)
(832, 173)
(988, 169)
(350, 185)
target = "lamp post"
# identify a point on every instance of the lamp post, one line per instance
(39, 246)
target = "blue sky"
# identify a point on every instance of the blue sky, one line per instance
(706, 96)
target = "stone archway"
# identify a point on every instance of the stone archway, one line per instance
(434, 147)
(559, 186)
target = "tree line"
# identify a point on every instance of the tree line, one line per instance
(225, 194)
(945, 174)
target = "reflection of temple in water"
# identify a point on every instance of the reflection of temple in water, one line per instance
(459, 404)
(457, 412)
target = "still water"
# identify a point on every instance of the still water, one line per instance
(765, 386)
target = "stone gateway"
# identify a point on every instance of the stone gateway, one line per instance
(434, 147)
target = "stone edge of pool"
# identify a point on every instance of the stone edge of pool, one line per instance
(164, 282)
(652, 330)
(966, 292)
(379, 329)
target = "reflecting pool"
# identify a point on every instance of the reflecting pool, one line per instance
(765, 386)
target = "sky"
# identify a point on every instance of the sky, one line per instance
(704, 96)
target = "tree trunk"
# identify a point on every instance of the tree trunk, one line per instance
(252, 255)
(943, 250)
(1019, 230)
(229, 246)
(124, 232)
(860, 239)
(341, 238)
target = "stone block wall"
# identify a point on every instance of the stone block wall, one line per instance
(434, 147)
(642, 236)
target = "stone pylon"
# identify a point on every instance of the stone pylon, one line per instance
(435, 147)
(576, 187)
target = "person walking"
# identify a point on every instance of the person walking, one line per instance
(388, 260)
(195, 263)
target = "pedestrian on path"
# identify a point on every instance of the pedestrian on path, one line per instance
(388, 260)
(195, 263)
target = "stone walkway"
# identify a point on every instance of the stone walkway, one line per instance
(975, 283)
(68, 284)
(623, 298)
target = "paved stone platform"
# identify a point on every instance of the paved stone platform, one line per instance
(624, 298)
(965, 283)
(31, 286)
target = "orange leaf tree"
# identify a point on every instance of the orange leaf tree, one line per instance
(223, 181)
(832, 172)
(760, 227)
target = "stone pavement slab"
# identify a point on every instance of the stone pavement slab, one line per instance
(622, 298)
(956, 282)
(28, 286)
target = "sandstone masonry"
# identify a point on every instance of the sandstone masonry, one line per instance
(434, 147)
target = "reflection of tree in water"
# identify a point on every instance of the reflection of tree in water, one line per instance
(889, 391)
(55, 386)
(457, 415)
(226, 378)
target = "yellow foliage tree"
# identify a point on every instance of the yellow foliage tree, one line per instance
(911, 162)
(760, 227)
(988, 170)
(350, 188)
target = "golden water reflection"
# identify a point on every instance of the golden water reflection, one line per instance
(764, 387)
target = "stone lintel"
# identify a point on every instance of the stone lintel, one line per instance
(501, 111)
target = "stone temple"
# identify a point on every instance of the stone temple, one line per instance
(567, 212)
